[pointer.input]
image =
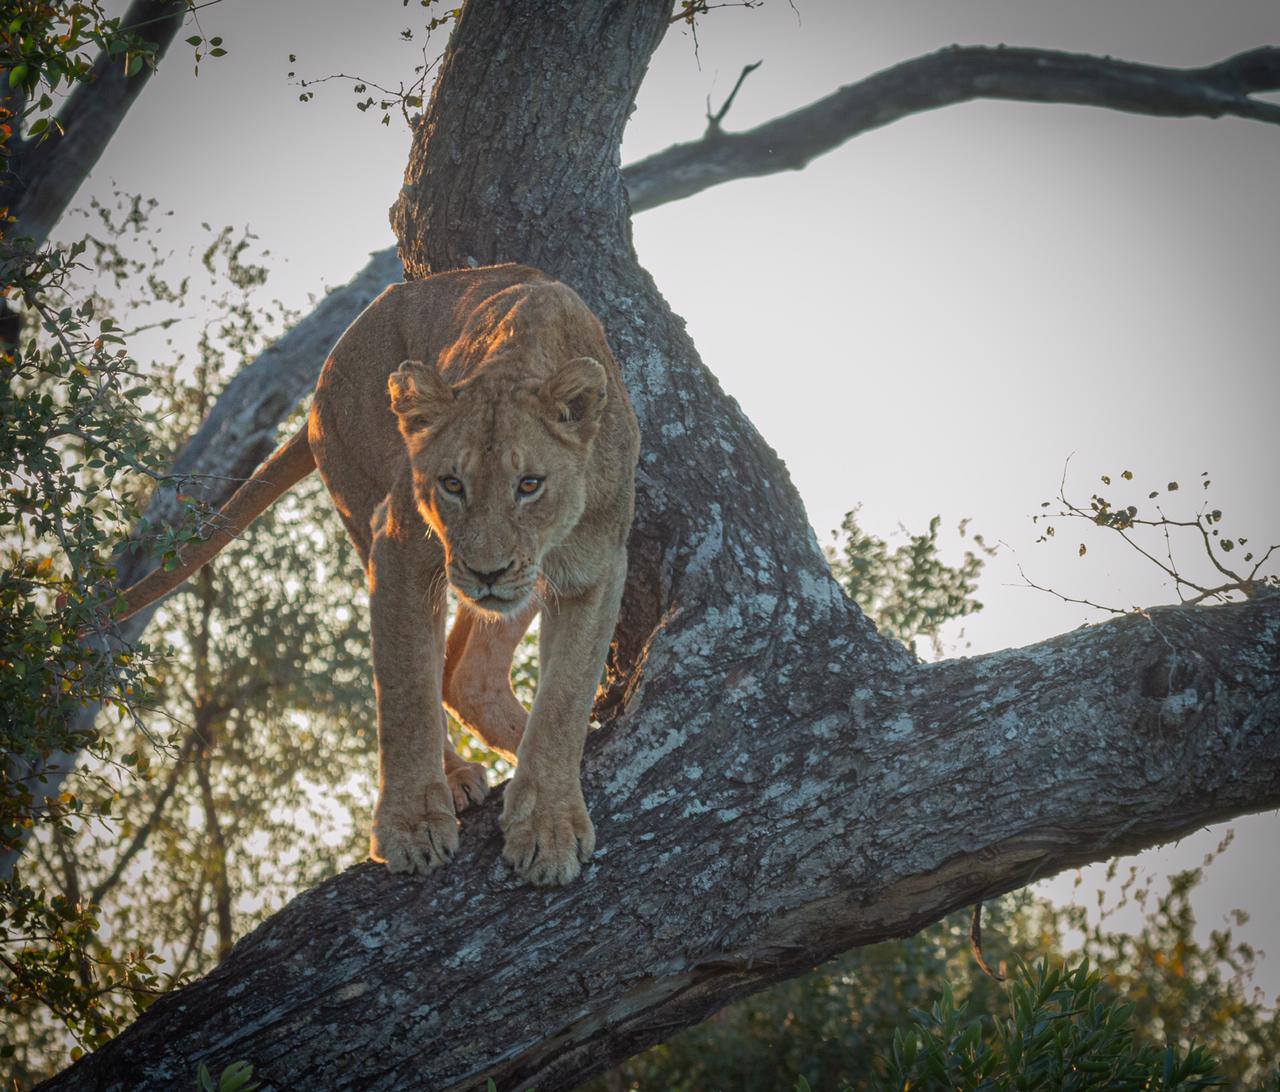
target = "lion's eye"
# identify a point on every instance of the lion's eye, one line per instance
(529, 485)
(452, 486)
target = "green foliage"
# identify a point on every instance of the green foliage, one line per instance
(48, 47)
(71, 443)
(907, 591)
(237, 1077)
(836, 1026)
(45, 47)
(70, 439)
(264, 689)
(72, 446)
(1063, 1033)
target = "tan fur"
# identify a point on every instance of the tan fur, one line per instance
(483, 378)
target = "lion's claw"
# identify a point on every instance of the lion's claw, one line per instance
(415, 847)
(546, 842)
(468, 785)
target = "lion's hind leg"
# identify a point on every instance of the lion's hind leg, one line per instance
(467, 780)
(477, 677)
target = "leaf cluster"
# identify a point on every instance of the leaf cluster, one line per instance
(46, 46)
(1063, 1032)
(72, 446)
(76, 450)
(908, 591)
(1189, 548)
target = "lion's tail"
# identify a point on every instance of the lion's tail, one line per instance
(287, 465)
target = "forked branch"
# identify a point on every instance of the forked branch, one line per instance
(954, 75)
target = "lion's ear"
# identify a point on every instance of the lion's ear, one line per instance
(575, 395)
(419, 395)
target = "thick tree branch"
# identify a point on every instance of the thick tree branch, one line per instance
(793, 812)
(954, 75)
(775, 781)
(46, 174)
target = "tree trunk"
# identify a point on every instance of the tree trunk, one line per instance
(774, 782)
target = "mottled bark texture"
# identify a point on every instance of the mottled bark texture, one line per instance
(773, 782)
(778, 809)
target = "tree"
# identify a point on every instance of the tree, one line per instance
(241, 429)
(43, 48)
(66, 391)
(730, 858)
(192, 828)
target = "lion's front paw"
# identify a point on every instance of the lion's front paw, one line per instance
(468, 784)
(415, 845)
(548, 833)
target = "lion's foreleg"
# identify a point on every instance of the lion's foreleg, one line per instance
(548, 831)
(414, 825)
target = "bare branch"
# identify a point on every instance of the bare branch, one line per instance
(958, 74)
(1027, 582)
(975, 945)
(690, 9)
(714, 120)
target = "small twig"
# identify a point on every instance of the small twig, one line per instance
(1067, 598)
(714, 120)
(1208, 549)
(1168, 549)
(975, 944)
(359, 80)
(144, 832)
(1262, 562)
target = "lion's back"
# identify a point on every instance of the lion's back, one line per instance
(453, 321)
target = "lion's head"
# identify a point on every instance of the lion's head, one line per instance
(499, 468)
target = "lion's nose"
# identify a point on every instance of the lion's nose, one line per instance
(489, 577)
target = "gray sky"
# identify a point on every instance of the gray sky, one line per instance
(929, 320)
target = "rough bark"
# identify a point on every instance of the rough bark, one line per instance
(759, 817)
(774, 781)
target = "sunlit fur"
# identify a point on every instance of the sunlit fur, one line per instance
(497, 430)
(485, 375)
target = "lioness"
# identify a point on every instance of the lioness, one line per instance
(472, 428)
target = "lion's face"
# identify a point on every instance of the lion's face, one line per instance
(499, 469)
